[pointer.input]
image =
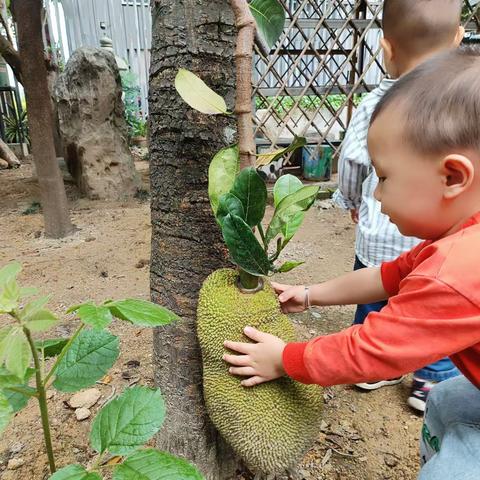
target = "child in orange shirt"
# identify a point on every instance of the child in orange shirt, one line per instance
(424, 142)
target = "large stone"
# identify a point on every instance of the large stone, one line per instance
(93, 127)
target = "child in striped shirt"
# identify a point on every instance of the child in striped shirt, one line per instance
(413, 31)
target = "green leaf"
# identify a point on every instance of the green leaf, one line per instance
(32, 307)
(9, 297)
(74, 308)
(141, 312)
(198, 95)
(284, 186)
(28, 291)
(9, 272)
(41, 321)
(6, 412)
(18, 400)
(151, 464)
(266, 158)
(286, 210)
(51, 347)
(8, 379)
(270, 18)
(14, 350)
(244, 247)
(222, 171)
(98, 317)
(287, 266)
(251, 190)
(291, 226)
(88, 359)
(74, 472)
(128, 421)
(229, 204)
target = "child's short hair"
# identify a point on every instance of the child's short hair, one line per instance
(439, 102)
(417, 27)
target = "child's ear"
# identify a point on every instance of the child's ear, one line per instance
(388, 56)
(458, 172)
(387, 49)
(459, 36)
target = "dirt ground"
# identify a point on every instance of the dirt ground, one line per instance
(364, 436)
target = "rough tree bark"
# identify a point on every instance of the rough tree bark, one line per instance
(186, 242)
(40, 119)
(243, 59)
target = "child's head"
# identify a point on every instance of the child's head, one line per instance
(424, 142)
(413, 30)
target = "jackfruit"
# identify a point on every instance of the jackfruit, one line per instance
(270, 426)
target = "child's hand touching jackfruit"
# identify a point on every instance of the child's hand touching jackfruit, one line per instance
(293, 298)
(261, 361)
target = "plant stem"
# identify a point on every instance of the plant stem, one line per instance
(247, 280)
(63, 353)
(262, 236)
(42, 401)
(243, 58)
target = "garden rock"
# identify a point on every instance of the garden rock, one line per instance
(91, 118)
(85, 399)
(15, 463)
(82, 413)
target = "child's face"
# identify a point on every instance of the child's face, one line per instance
(410, 185)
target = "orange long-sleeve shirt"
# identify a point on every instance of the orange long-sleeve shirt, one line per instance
(433, 311)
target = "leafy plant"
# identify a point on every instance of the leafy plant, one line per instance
(137, 127)
(282, 105)
(16, 126)
(238, 197)
(125, 423)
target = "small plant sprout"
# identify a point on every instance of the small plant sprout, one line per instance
(29, 366)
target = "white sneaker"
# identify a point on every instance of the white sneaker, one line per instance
(379, 384)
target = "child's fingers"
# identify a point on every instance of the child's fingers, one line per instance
(287, 295)
(239, 347)
(252, 381)
(279, 287)
(255, 334)
(239, 360)
(245, 371)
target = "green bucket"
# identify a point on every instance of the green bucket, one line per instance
(317, 162)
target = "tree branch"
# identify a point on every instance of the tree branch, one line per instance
(243, 58)
(12, 57)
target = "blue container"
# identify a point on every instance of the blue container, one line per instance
(317, 162)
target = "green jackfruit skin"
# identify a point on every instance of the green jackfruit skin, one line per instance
(272, 425)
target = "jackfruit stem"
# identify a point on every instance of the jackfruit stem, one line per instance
(247, 280)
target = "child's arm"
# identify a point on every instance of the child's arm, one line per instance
(263, 361)
(361, 286)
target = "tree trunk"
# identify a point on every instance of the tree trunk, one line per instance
(186, 242)
(40, 118)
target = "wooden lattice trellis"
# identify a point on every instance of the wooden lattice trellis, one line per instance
(328, 56)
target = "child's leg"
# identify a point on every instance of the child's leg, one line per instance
(363, 310)
(426, 378)
(438, 371)
(450, 439)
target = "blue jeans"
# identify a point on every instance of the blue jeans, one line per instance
(437, 372)
(450, 441)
